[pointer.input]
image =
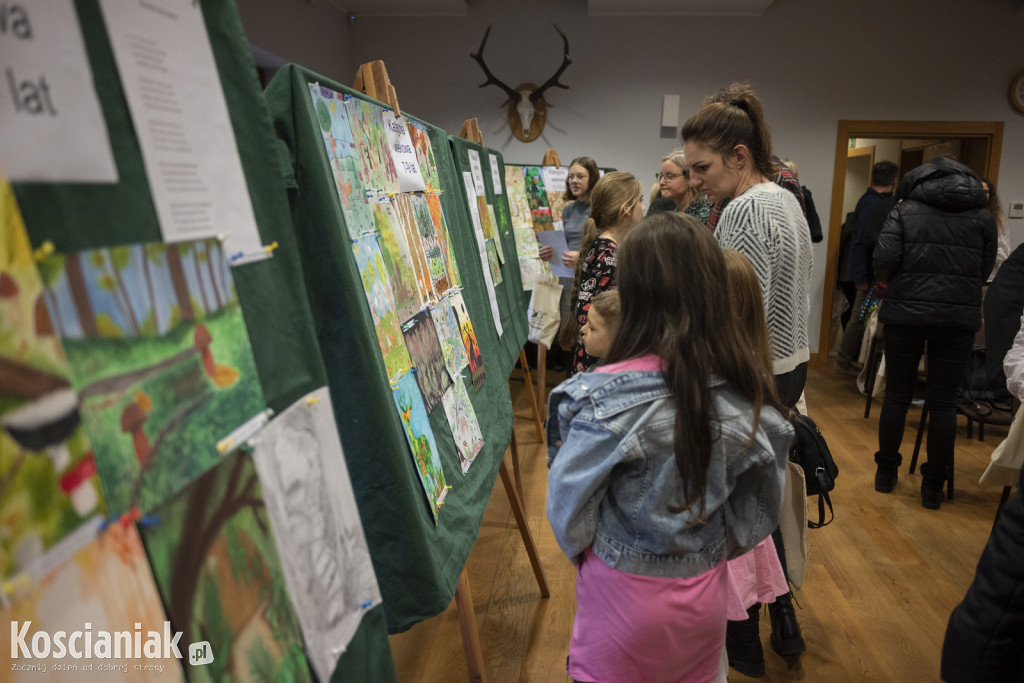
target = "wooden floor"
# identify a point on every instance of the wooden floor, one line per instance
(880, 583)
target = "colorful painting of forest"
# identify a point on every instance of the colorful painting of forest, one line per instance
(432, 245)
(216, 564)
(377, 287)
(160, 358)
(48, 482)
(416, 424)
(402, 204)
(427, 358)
(447, 325)
(344, 157)
(377, 167)
(445, 237)
(424, 155)
(398, 260)
(106, 586)
(476, 361)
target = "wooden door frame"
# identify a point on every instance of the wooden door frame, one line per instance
(846, 129)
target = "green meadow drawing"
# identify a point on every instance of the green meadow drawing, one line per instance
(398, 260)
(433, 248)
(160, 358)
(377, 287)
(378, 167)
(416, 424)
(48, 482)
(216, 565)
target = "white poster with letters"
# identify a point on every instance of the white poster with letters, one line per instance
(402, 153)
(51, 125)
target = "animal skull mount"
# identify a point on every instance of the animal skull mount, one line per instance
(527, 109)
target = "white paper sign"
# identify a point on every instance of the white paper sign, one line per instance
(481, 243)
(51, 125)
(181, 118)
(555, 178)
(495, 174)
(403, 153)
(478, 173)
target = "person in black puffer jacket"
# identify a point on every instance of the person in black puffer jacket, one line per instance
(935, 252)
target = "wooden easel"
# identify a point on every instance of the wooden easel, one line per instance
(372, 79)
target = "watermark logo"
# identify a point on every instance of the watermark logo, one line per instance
(200, 653)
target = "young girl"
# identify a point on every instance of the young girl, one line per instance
(755, 577)
(664, 463)
(615, 207)
(602, 323)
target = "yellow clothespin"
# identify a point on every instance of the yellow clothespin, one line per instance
(310, 400)
(225, 445)
(270, 248)
(19, 584)
(44, 250)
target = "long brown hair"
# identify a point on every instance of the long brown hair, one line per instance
(593, 175)
(614, 195)
(670, 272)
(733, 117)
(748, 306)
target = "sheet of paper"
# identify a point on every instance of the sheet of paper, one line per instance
(177, 105)
(556, 240)
(319, 535)
(51, 125)
(478, 173)
(402, 152)
(555, 178)
(495, 174)
(481, 244)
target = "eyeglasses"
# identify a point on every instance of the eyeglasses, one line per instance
(578, 176)
(671, 176)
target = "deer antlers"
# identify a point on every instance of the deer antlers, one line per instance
(513, 94)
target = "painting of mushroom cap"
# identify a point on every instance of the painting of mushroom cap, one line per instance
(160, 358)
(216, 565)
(48, 482)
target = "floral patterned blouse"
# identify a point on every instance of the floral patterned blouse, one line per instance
(597, 275)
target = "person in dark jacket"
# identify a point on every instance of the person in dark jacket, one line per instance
(935, 252)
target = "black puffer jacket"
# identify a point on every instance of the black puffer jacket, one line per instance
(936, 249)
(985, 638)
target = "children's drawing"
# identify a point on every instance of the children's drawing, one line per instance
(398, 260)
(344, 157)
(447, 325)
(432, 245)
(445, 237)
(538, 198)
(476, 361)
(420, 436)
(462, 420)
(519, 206)
(377, 287)
(514, 182)
(312, 509)
(486, 218)
(556, 202)
(216, 565)
(48, 482)
(105, 586)
(402, 204)
(492, 262)
(427, 358)
(425, 155)
(499, 227)
(378, 168)
(160, 357)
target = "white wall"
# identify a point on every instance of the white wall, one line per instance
(917, 60)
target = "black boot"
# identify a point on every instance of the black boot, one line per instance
(786, 638)
(743, 644)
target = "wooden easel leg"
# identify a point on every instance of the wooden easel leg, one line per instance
(538, 421)
(470, 635)
(524, 530)
(542, 379)
(515, 466)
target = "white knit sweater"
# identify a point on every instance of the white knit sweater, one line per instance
(766, 224)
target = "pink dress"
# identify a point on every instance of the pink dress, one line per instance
(755, 576)
(640, 628)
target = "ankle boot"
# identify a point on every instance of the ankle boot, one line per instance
(786, 638)
(743, 644)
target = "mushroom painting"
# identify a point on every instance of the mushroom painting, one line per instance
(160, 359)
(43, 446)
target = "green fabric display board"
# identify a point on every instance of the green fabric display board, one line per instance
(272, 293)
(509, 293)
(417, 562)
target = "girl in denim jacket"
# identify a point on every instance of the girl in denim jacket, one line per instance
(664, 463)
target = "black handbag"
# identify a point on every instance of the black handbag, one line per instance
(810, 452)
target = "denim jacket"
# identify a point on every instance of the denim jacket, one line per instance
(613, 475)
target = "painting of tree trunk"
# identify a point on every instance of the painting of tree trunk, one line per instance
(180, 284)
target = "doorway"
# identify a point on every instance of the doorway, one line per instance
(981, 141)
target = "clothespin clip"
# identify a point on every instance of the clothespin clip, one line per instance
(149, 520)
(447, 488)
(44, 250)
(346, 97)
(366, 605)
(247, 447)
(237, 255)
(18, 585)
(270, 248)
(225, 445)
(311, 400)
